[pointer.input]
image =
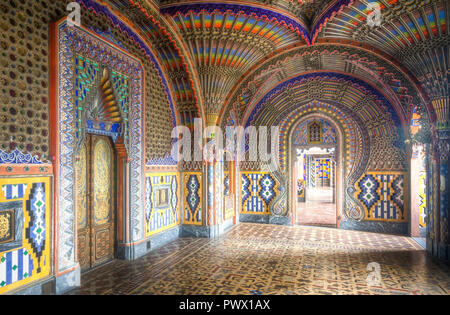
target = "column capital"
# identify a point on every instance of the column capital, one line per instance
(441, 107)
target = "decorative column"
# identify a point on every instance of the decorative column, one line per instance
(214, 184)
(444, 191)
(441, 107)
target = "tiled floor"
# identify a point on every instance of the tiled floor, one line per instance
(271, 259)
(316, 213)
(318, 209)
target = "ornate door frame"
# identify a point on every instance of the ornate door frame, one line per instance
(66, 43)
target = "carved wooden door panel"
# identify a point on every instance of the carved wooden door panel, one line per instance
(96, 225)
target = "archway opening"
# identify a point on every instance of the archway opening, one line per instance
(315, 174)
(418, 184)
(316, 194)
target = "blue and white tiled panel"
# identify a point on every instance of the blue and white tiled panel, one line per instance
(25, 231)
(12, 192)
(258, 191)
(226, 185)
(15, 266)
(383, 196)
(162, 219)
(192, 199)
(251, 202)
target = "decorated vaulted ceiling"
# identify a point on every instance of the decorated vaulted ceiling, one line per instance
(364, 112)
(225, 40)
(415, 33)
(388, 77)
(221, 56)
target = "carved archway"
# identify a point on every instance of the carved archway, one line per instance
(104, 116)
(340, 148)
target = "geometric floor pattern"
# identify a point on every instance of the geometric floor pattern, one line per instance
(280, 260)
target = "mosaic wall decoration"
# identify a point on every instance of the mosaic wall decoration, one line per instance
(323, 171)
(218, 192)
(17, 157)
(423, 200)
(228, 197)
(357, 124)
(24, 74)
(25, 223)
(352, 134)
(192, 198)
(312, 172)
(326, 136)
(87, 75)
(211, 212)
(160, 116)
(300, 188)
(383, 196)
(258, 189)
(226, 183)
(24, 77)
(161, 202)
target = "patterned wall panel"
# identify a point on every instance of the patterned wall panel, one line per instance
(259, 189)
(24, 111)
(226, 183)
(210, 214)
(328, 135)
(323, 169)
(219, 188)
(383, 196)
(312, 172)
(192, 198)
(300, 188)
(228, 197)
(161, 202)
(423, 200)
(25, 223)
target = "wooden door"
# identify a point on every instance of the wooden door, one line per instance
(95, 202)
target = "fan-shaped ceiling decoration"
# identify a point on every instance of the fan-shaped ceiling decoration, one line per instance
(210, 48)
(105, 107)
(414, 33)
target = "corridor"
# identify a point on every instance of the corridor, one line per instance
(266, 259)
(319, 208)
